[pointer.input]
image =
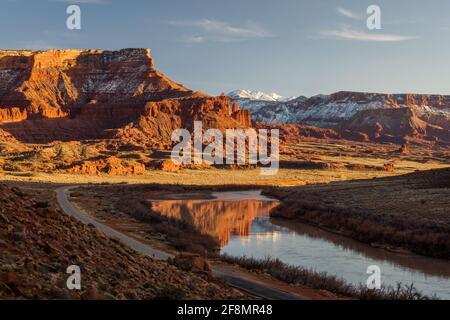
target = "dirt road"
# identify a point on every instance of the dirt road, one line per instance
(229, 275)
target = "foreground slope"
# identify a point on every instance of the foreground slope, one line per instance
(38, 243)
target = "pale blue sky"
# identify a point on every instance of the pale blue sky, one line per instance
(292, 47)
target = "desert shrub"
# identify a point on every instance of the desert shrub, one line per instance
(428, 240)
(323, 281)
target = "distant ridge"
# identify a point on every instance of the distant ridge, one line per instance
(363, 116)
(258, 95)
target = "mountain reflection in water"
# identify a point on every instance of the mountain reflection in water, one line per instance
(227, 215)
(240, 222)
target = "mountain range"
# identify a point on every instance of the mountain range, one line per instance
(361, 116)
(258, 95)
(119, 96)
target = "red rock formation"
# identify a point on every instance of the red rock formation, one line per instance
(406, 99)
(243, 117)
(404, 149)
(235, 107)
(295, 133)
(5, 136)
(388, 124)
(12, 114)
(110, 166)
(168, 166)
(99, 94)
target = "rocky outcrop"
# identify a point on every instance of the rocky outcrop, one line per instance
(294, 133)
(6, 136)
(111, 166)
(12, 114)
(243, 117)
(395, 122)
(95, 94)
(159, 119)
(404, 149)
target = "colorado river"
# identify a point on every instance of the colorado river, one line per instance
(240, 222)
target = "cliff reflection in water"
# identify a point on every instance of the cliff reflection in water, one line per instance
(220, 218)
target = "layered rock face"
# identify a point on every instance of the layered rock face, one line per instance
(159, 119)
(90, 94)
(362, 116)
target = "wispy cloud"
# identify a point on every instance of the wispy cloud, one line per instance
(195, 39)
(36, 45)
(349, 14)
(346, 32)
(83, 1)
(215, 30)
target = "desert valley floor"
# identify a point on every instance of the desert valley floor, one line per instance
(330, 185)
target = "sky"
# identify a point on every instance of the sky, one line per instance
(292, 47)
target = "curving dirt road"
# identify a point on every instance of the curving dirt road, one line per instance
(229, 275)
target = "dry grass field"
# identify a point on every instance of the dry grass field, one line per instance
(310, 162)
(348, 187)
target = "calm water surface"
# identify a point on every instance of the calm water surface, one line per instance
(240, 222)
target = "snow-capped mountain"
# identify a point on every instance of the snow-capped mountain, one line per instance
(255, 101)
(258, 95)
(389, 116)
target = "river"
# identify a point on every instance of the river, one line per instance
(240, 222)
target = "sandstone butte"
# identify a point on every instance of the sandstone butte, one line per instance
(72, 95)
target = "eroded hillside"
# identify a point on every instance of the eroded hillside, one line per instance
(71, 95)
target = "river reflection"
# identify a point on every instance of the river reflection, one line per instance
(228, 214)
(240, 222)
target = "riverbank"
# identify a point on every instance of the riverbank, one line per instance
(401, 214)
(298, 276)
(186, 234)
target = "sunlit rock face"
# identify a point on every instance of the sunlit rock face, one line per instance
(220, 219)
(52, 83)
(376, 117)
(91, 93)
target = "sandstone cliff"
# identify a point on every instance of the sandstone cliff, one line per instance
(94, 94)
